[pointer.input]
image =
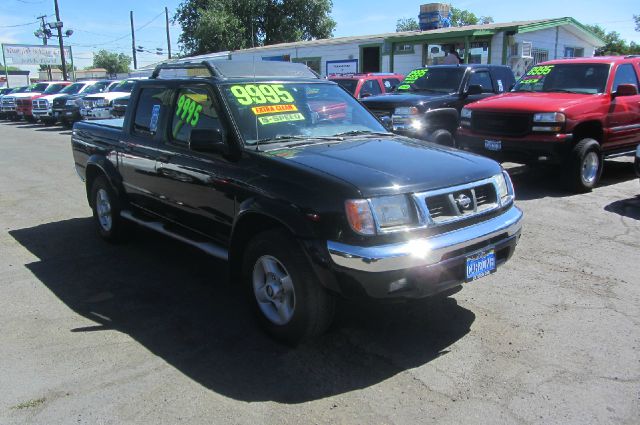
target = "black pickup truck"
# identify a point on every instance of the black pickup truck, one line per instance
(298, 186)
(427, 104)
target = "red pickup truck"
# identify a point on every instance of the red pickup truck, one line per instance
(572, 113)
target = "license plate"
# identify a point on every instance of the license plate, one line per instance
(481, 264)
(493, 145)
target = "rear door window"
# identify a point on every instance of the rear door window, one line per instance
(152, 105)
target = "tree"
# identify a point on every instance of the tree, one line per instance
(114, 63)
(407, 24)
(219, 25)
(462, 17)
(9, 68)
(614, 45)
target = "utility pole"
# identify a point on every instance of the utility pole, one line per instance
(166, 16)
(43, 26)
(133, 42)
(61, 42)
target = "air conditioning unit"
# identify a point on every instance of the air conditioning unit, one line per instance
(522, 49)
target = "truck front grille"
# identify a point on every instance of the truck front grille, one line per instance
(501, 124)
(460, 202)
(381, 113)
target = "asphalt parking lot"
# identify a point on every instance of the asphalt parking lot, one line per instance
(153, 332)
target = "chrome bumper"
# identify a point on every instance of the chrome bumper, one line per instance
(425, 251)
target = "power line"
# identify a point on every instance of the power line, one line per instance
(18, 25)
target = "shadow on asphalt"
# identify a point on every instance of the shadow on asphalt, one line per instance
(180, 305)
(537, 183)
(626, 207)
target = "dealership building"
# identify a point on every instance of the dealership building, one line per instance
(516, 44)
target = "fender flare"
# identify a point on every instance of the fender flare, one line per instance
(106, 168)
(448, 115)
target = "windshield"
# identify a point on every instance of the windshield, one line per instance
(73, 88)
(37, 88)
(348, 84)
(54, 88)
(268, 112)
(586, 78)
(125, 86)
(97, 87)
(19, 90)
(437, 80)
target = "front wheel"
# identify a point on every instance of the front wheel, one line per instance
(585, 166)
(289, 301)
(443, 137)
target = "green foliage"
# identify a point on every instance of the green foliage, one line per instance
(113, 62)
(614, 44)
(462, 17)
(219, 25)
(9, 68)
(407, 24)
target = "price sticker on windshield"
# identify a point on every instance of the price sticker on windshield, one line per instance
(412, 77)
(275, 119)
(188, 110)
(540, 70)
(272, 109)
(260, 94)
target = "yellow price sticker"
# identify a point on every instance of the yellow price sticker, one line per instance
(275, 119)
(271, 109)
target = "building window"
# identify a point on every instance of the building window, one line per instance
(573, 52)
(313, 63)
(539, 55)
(403, 48)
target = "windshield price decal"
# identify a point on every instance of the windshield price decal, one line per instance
(188, 110)
(411, 78)
(533, 79)
(270, 109)
(249, 94)
(275, 119)
(540, 70)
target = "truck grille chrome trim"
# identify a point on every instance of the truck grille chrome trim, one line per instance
(425, 251)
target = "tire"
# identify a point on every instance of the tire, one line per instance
(286, 296)
(106, 211)
(65, 123)
(30, 119)
(584, 166)
(442, 137)
(48, 121)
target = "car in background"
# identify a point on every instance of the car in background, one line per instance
(427, 104)
(68, 107)
(119, 106)
(24, 102)
(571, 114)
(8, 102)
(636, 163)
(4, 91)
(98, 106)
(370, 84)
(43, 106)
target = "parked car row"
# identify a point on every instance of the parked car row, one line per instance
(65, 102)
(570, 113)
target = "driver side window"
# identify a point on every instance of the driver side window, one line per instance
(482, 79)
(195, 108)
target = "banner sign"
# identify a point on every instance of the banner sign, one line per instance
(342, 67)
(22, 54)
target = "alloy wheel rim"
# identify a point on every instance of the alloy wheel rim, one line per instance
(273, 289)
(590, 166)
(103, 208)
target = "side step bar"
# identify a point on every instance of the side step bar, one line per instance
(208, 247)
(620, 154)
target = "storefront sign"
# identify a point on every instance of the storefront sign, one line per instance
(22, 54)
(342, 67)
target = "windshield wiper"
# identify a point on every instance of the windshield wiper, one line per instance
(284, 139)
(563, 91)
(363, 133)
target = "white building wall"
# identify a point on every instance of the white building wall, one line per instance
(546, 39)
(405, 63)
(496, 49)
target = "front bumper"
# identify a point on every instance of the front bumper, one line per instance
(43, 113)
(422, 267)
(534, 147)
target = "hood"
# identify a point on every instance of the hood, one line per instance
(387, 101)
(51, 97)
(391, 165)
(25, 95)
(534, 102)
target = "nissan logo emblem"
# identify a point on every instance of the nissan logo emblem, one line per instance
(463, 201)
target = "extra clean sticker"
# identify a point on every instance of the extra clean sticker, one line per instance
(271, 109)
(260, 94)
(275, 119)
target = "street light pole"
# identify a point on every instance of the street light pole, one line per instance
(43, 27)
(62, 58)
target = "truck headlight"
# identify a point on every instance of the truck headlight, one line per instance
(406, 110)
(549, 117)
(70, 102)
(465, 113)
(504, 187)
(386, 211)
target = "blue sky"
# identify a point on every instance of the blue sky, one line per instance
(105, 24)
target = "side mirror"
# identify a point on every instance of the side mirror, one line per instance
(626, 90)
(474, 89)
(208, 140)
